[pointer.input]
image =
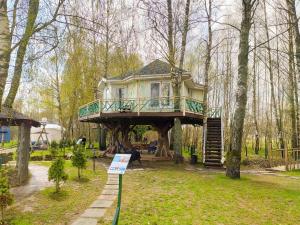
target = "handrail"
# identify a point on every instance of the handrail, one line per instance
(143, 104)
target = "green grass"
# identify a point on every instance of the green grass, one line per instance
(10, 144)
(171, 195)
(47, 207)
(292, 173)
(60, 152)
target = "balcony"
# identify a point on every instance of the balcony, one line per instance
(139, 106)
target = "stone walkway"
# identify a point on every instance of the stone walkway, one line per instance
(37, 182)
(98, 208)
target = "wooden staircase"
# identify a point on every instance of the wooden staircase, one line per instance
(213, 145)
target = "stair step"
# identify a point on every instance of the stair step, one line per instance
(214, 152)
(213, 147)
(213, 164)
(212, 160)
(214, 144)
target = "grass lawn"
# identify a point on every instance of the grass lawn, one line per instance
(46, 207)
(292, 173)
(172, 195)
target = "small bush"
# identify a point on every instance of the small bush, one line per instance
(36, 158)
(54, 144)
(57, 173)
(6, 197)
(53, 148)
(79, 159)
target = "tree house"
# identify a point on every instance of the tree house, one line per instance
(145, 97)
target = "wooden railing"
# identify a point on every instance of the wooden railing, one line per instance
(162, 104)
(290, 158)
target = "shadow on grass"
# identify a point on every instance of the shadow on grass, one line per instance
(57, 196)
(81, 180)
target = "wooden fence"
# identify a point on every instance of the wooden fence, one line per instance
(290, 158)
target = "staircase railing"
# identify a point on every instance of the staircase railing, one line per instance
(215, 112)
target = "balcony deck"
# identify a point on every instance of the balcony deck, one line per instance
(142, 110)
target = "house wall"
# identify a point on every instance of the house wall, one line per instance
(197, 94)
(185, 90)
(142, 89)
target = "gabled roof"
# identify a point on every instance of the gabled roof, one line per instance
(157, 67)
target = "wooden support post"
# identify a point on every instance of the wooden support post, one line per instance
(286, 158)
(139, 106)
(184, 103)
(23, 152)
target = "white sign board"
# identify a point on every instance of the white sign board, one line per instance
(119, 164)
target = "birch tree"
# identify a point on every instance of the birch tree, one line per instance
(5, 43)
(30, 28)
(233, 159)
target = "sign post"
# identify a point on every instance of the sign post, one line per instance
(119, 166)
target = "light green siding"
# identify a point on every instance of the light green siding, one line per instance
(197, 94)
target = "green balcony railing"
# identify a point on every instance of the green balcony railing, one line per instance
(161, 104)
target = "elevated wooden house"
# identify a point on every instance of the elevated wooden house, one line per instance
(145, 97)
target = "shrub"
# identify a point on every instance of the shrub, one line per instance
(57, 173)
(79, 158)
(54, 144)
(53, 148)
(6, 197)
(62, 146)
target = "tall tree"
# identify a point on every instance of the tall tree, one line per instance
(5, 43)
(271, 73)
(291, 85)
(295, 26)
(208, 10)
(30, 28)
(254, 78)
(234, 152)
(177, 76)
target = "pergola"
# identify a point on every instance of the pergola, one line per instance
(10, 117)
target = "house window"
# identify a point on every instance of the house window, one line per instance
(121, 96)
(155, 94)
(165, 94)
(121, 93)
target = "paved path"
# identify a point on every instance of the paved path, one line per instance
(98, 208)
(7, 150)
(37, 182)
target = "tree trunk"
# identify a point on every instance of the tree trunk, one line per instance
(254, 98)
(57, 186)
(270, 67)
(32, 14)
(178, 140)
(234, 153)
(206, 75)
(163, 140)
(290, 91)
(294, 22)
(103, 134)
(23, 153)
(78, 173)
(5, 45)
